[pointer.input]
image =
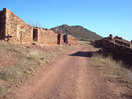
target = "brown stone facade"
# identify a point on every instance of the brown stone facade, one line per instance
(45, 36)
(72, 41)
(16, 31)
(66, 39)
(13, 29)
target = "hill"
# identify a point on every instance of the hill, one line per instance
(77, 31)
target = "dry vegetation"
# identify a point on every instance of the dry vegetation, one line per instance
(114, 71)
(18, 63)
(21, 62)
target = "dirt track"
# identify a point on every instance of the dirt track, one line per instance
(69, 76)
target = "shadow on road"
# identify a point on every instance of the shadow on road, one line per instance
(82, 54)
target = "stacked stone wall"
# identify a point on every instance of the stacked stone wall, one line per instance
(47, 37)
(127, 44)
(97, 43)
(69, 40)
(131, 44)
(17, 31)
(72, 40)
(117, 51)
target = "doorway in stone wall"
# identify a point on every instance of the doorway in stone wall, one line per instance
(35, 35)
(58, 38)
(65, 39)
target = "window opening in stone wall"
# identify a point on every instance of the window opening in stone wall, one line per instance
(35, 35)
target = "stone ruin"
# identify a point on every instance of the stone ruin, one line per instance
(16, 31)
(116, 40)
(111, 38)
(118, 47)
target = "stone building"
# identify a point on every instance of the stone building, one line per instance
(16, 31)
(13, 29)
(66, 39)
(44, 36)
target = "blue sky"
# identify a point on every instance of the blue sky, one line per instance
(101, 16)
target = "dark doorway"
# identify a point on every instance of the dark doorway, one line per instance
(65, 39)
(58, 38)
(35, 35)
(2, 25)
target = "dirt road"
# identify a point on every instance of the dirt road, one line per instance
(69, 76)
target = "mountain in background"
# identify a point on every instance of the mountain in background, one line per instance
(79, 32)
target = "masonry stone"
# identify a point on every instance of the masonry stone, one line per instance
(120, 49)
(16, 31)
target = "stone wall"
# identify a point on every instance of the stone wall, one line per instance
(60, 40)
(131, 44)
(121, 42)
(72, 40)
(66, 39)
(116, 40)
(17, 31)
(47, 37)
(117, 51)
(97, 43)
(2, 24)
(118, 47)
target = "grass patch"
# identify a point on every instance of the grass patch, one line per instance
(113, 71)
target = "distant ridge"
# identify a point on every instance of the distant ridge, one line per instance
(77, 31)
